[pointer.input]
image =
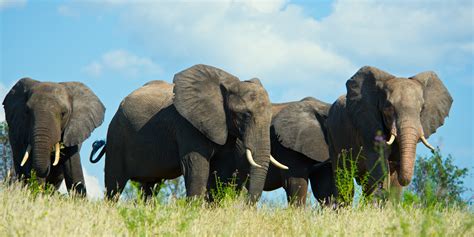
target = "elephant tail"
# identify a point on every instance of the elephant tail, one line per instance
(318, 166)
(95, 147)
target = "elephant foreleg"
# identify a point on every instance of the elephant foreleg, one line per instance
(395, 187)
(55, 177)
(151, 188)
(195, 168)
(296, 189)
(73, 171)
(322, 184)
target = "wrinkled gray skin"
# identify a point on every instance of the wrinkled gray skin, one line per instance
(44, 113)
(155, 136)
(298, 141)
(377, 101)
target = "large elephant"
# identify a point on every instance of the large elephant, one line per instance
(161, 130)
(298, 139)
(378, 106)
(47, 116)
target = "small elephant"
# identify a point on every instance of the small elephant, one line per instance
(162, 131)
(378, 106)
(46, 118)
(297, 140)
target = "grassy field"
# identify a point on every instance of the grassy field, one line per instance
(24, 213)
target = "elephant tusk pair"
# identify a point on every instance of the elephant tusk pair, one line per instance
(272, 160)
(26, 156)
(28, 151)
(423, 139)
(426, 143)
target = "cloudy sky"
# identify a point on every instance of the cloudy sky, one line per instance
(297, 49)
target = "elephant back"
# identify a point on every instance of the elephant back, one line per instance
(146, 101)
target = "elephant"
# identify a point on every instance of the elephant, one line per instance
(298, 139)
(162, 131)
(377, 106)
(44, 117)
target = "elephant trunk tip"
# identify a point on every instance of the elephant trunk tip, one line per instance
(404, 180)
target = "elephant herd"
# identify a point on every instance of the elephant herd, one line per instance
(211, 127)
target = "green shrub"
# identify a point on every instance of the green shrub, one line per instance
(437, 181)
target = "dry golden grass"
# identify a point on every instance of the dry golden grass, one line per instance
(25, 214)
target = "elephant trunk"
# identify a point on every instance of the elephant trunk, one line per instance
(258, 174)
(41, 148)
(46, 133)
(408, 138)
(260, 149)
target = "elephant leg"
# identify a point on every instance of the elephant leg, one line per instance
(114, 186)
(73, 171)
(322, 184)
(55, 177)
(377, 172)
(151, 188)
(195, 168)
(296, 189)
(395, 187)
(223, 172)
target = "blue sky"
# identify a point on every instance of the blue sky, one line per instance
(297, 49)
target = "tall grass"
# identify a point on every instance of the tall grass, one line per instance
(25, 213)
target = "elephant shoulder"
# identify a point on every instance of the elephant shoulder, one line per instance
(140, 105)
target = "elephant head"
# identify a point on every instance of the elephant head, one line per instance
(41, 115)
(405, 109)
(219, 105)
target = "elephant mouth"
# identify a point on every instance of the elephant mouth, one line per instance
(56, 149)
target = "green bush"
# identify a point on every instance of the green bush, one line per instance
(437, 181)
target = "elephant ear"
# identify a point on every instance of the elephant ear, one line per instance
(15, 108)
(199, 98)
(364, 91)
(87, 113)
(437, 104)
(300, 127)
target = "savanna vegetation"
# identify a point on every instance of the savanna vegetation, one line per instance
(432, 206)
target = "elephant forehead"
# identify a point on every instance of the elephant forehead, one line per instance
(404, 90)
(49, 89)
(47, 95)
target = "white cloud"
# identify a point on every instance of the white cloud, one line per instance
(11, 3)
(94, 190)
(407, 34)
(279, 43)
(121, 61)
(68, 11)
(272, 40)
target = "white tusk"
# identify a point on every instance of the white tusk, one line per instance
(392, 138)
(56, 154)
(423, 139)
(278, 164)
(250, 159)
(25, 157)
